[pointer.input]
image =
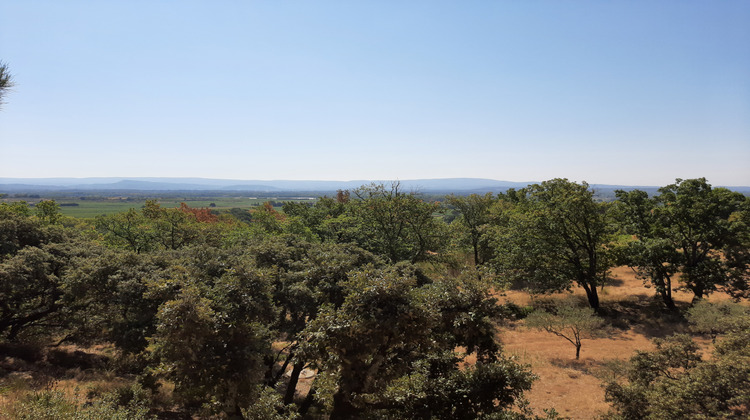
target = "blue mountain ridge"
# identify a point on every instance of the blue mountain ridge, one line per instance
(209, 184)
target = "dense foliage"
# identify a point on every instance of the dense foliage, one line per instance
(374, 291)
(676, 382)
(691, 229)
(555, 234)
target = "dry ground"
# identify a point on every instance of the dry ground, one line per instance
(574, 388)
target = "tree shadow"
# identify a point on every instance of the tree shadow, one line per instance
(76, 359)
(604, 370)
(614, 282)
(645, 315)
(44, 364)
(587, 366)
(27, 352)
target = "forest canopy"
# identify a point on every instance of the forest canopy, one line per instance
(387, 299)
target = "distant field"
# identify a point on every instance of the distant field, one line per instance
(89, 208)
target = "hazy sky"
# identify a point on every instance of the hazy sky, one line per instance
(618, 92)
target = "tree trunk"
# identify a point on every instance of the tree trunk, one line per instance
(293, 379)
(18, 324)
(272, 379)
(307, 403)
(667, 298)
(578, 351)
(698, 295)
(235, 413)
(663, 284)
(592, 296)
(342, 407)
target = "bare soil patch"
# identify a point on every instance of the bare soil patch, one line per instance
(574, 388)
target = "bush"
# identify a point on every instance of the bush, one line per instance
(512, 311)
(718, 318)
(55, 405)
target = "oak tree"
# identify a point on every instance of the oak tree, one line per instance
(555, 235)
(692, 229)
(475, 215)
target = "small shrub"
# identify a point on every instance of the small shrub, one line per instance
(512, 311)
(54, 405)
(566, 321)
(714, 319)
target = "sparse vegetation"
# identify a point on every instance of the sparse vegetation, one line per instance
(566, 321)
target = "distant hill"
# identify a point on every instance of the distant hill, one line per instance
(205, 184)
(430, 186)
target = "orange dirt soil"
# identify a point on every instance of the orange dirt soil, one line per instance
(574, 387)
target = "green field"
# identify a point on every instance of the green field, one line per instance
(89, 208)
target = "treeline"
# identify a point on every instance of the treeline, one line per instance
(372, 289)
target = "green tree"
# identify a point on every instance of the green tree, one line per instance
(18, 229)
(475, 215)
(267, 219)
(675, 382)
(172, 228)
(35, 259)
(554, 235)
(56, 405)
(129, 229)
(368, 340)
(306, 276)
(696, 219)
(651, 255)
(124, 290)
(269, 406)
(436, 389)
(325, 218)
(394, 224)
(212, 338)
(31, 289)
(692, 228)
(38, 293)
(567, 321)
(48, 211)
(19, 208)
(737, 253)
(6, 81)
(388, 351)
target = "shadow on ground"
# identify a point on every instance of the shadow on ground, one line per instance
(645, 315)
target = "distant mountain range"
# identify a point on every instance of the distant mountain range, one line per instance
(433, 186)
(206, 184)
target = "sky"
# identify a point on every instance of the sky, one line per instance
(609, 92)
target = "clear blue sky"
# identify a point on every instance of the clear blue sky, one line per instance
(618, 92)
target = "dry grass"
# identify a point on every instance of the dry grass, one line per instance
(54, 370)
(574, 387)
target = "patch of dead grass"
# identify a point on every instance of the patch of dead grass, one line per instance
(574, 387)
